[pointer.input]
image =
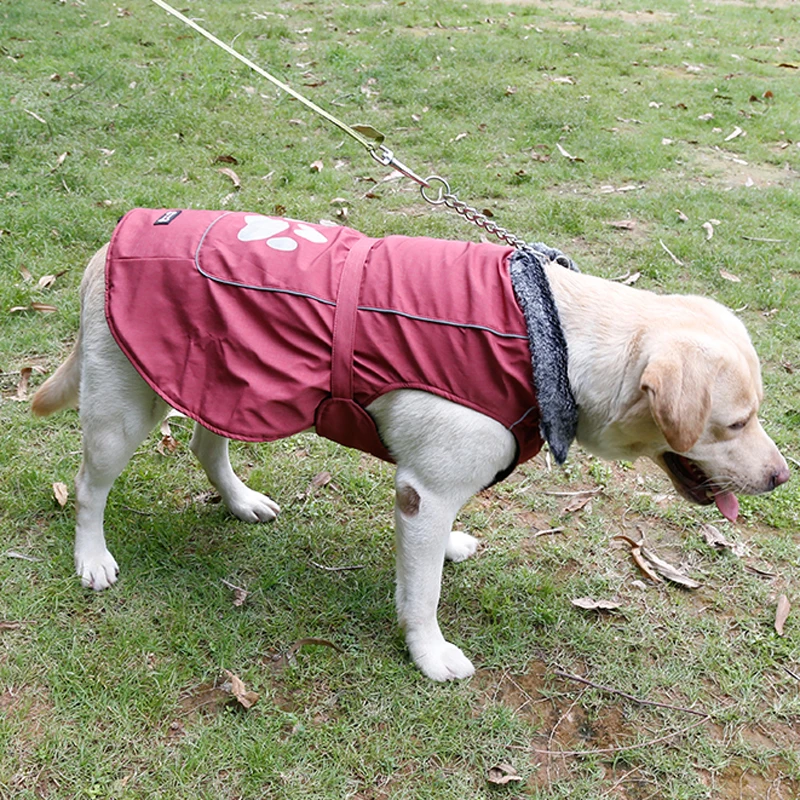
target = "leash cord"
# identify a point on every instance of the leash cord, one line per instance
(363, 134)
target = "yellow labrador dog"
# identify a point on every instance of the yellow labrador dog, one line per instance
(672, 378)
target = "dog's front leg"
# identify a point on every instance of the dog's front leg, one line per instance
(423, 523)
(245, 503)
(445, 453)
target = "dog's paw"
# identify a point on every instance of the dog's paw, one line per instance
(460, 546)
(251, 506)
(446, 662)
(96, 572)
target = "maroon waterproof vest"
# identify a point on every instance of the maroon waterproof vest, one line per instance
(259, 327)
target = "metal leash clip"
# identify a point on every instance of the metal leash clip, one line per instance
(385, 157)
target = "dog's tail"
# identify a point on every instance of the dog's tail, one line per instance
(61, 389)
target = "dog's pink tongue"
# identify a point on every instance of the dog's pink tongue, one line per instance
(728, 505)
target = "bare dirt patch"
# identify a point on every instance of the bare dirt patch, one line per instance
(568, 732)
(728, 169)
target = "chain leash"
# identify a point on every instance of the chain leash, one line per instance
(448, 199)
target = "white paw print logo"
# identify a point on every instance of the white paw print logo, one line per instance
(258, 227)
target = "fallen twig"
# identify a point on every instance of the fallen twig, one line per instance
(641, 701)
(670, 253)
(139, 511)
(83, 88)
(790, 673)
(578, 493)
(337, 569)
(547, 531)
(21, 556)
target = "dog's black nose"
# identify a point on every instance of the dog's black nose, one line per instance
(779, 477)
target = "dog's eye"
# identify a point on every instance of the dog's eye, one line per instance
(737, 426)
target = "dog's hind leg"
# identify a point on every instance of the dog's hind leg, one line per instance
(118, 411)
(245, 503)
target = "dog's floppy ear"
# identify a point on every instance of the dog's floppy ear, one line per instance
(678, 386)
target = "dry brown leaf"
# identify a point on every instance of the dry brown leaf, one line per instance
(566, 154)
(638, 558)
(631, 279)
(239, 594)
(61, 159)
(782, 613)
(46, 281)
(643, 564)
(26, 274)
(225, 159)
(168, 443)
(43, 308)
(590, 604)
(321, 479)
(709, 229)
(502, 774)
(623, 224)
(22, 384)
(761, 570)
(317, 166)
(669, 572)
(578, 503)
(229, 173)
(737, 131)
(288, 657)
(239, 691)
(239, 597)
(61, 493)
(716, 539)
(650, 564)
(681, 216)
(729, 276)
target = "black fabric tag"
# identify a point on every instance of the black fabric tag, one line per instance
(166, 217)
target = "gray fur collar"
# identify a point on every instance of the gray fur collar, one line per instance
(557, 409)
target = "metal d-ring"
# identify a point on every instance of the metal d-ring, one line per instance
(444, 190)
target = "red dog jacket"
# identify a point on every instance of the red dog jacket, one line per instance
(259, 327)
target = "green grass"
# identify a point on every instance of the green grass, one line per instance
(113, 695)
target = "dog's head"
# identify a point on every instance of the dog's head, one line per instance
(688, 398)
(703, 389)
